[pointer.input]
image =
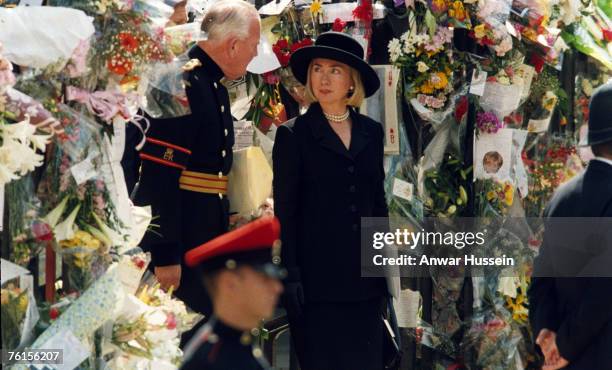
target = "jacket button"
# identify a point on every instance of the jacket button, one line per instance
(220, 174)
(351, 169)
(355, 227)
(226, 132)
(353, 208)
(220, 196)
(352, 188)
(223, 153)
(222, 109)
(214, 83)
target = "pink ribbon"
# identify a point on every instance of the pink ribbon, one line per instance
(104, 104)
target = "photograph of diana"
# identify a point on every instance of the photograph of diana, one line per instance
(328, 174)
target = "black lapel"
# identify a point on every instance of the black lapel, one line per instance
(323, 133)
(360, 137)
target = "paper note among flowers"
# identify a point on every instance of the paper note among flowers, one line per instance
(74, 351)
(243, 134)
(502, 99)
(403, 189)
(382, 106)
(493, 155)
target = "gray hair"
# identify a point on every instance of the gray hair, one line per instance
(225, 18)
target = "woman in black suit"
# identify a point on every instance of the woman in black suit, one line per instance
(328, 174)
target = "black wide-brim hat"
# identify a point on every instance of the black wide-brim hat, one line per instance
(600, 117)
(339, 47)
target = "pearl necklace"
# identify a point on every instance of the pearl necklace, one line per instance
(337, 118)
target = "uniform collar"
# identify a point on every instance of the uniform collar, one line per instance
(228, 333)
(604, 160)
(211, 68)
(322, 131)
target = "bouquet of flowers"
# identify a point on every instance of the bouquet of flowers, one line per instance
(426, 60)
(266, 106)
(446, 188)
(14, 305)
(494, 195)
(29, 234)
(492, 339)
(552, 164)
(149, 329)
(18, 306)
(453, 13)
(85, 259)
(487, 122)
(491, 30)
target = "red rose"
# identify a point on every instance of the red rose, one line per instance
(338, 25)
(307, 41)
(537, 61)
(139, 263)
(461, 109)
(282, 43)
(53, 313)
(607, 35)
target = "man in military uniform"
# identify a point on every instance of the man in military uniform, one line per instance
(185, 160)
(241, 271)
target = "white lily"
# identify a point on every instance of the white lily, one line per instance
(6, 175)
(65, 229)
(99, 235)
(53, 217)
(19, 131)
(40, 141)
(111, 234)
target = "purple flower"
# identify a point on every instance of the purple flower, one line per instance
(488, 122)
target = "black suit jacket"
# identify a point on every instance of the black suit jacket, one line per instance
(187, 219)
(202, 142)
(578, 309)
(321, 191)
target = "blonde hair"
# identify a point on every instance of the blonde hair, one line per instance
(227, 18)
(354, 100)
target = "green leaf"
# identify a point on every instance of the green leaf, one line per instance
(430, 22)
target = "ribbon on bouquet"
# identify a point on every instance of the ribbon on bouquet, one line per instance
(137, 121)
(104, 104)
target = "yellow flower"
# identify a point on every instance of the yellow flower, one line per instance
(509, 197)
(479, 31)
(491, 195)
(315, 7)
(457, 11)
(439, 80)
(427, 88)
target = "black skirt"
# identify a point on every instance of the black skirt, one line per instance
(342, 335)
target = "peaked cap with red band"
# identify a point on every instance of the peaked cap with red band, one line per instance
(256, 244)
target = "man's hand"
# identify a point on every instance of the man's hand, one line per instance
(547, 340)
(168, 276)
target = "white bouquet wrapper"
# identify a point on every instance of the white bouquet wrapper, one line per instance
(98, 304)
(250, 181)
(38, 36)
